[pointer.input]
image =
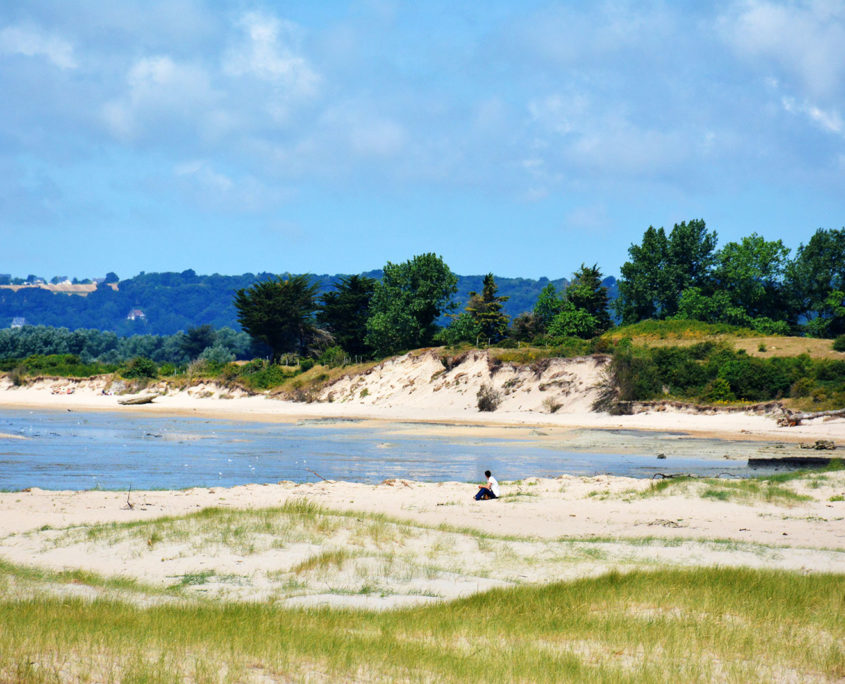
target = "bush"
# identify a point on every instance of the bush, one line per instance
(488, 398)
(839, 344)
(167, 369)
(306, 364)
(334, 357)
(140, 367)
(18, 376)
(718, 389)
(218, 355)
(802, 387)
(551, 404)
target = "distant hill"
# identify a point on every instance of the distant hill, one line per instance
(164, 303)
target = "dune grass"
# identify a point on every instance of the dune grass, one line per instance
(772, 488)
(688, 625)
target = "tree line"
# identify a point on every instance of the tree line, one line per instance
(174, 301)
(680, 274)
(676, 274)
(752, 282)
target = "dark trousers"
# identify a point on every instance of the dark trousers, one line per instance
(484, 493)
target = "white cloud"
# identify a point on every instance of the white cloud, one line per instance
(269, 53)
(160, 89)
(210, 189)
(576, 134)
(204, 175)
(828, 120)
(804, 39)
(28, 41)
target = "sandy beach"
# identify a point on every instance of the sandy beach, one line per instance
(407, 542)
(211, 401)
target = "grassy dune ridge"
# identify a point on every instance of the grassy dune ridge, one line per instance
(644, 618)
(701, 624)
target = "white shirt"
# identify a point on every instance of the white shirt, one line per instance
(493, 485)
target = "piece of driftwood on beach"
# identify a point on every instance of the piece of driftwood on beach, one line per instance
(790, 419)
(790, 462)
(133, 401)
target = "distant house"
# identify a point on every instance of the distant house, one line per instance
(136, 314)
(18, 322)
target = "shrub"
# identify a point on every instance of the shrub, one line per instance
(718, 389)
(18, 376)
(167, 369)
(802, 387)
(306, 364)
(140, 367)
(218, 355)
(334, 357)
(551, 404)
(839, 344)
(488, 398)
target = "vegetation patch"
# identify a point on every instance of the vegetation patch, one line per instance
(690, 625)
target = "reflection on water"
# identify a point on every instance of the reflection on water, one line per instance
(77, 451)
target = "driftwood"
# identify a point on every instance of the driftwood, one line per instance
(789, 462)
(134, 401)
(790, 419)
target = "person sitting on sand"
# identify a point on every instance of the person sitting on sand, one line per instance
(491, 491)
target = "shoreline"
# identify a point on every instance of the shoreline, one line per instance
(727, 426)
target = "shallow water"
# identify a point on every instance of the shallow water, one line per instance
(78, 451)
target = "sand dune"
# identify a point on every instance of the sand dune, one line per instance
(419, 387)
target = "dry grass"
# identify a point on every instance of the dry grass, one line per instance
(692, 625)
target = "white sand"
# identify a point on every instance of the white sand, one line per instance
(804, 536)
(536, 528)
(417, 387)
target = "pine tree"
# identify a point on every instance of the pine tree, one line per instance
(486, 311)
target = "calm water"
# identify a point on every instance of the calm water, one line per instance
(77, 451)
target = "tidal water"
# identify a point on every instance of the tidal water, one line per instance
(79, 451)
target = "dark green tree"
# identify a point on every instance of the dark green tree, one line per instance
(197, 339)
(751, 272)
(691, 257)
(344, 312)
(814, 278)
(662, 267)
(407, 302)
(587, 293)
(279, 313)
(486, 311)
(548, 305)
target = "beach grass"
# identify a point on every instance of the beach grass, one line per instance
(778, 488)
(711, 624)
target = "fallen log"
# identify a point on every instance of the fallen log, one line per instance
(790, 462)
(790, 419)
(134, 401)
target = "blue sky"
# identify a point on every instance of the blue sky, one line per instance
(522, 138)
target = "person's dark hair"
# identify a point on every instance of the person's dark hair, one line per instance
(486, 473)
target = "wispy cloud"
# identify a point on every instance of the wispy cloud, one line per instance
(159, 90)
(269, 51)
(803, 40)
(33, 42)
(828, 120)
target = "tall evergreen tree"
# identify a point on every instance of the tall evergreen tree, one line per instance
(586, 292)
(486, 310)
(278, 313)
(344, 312)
